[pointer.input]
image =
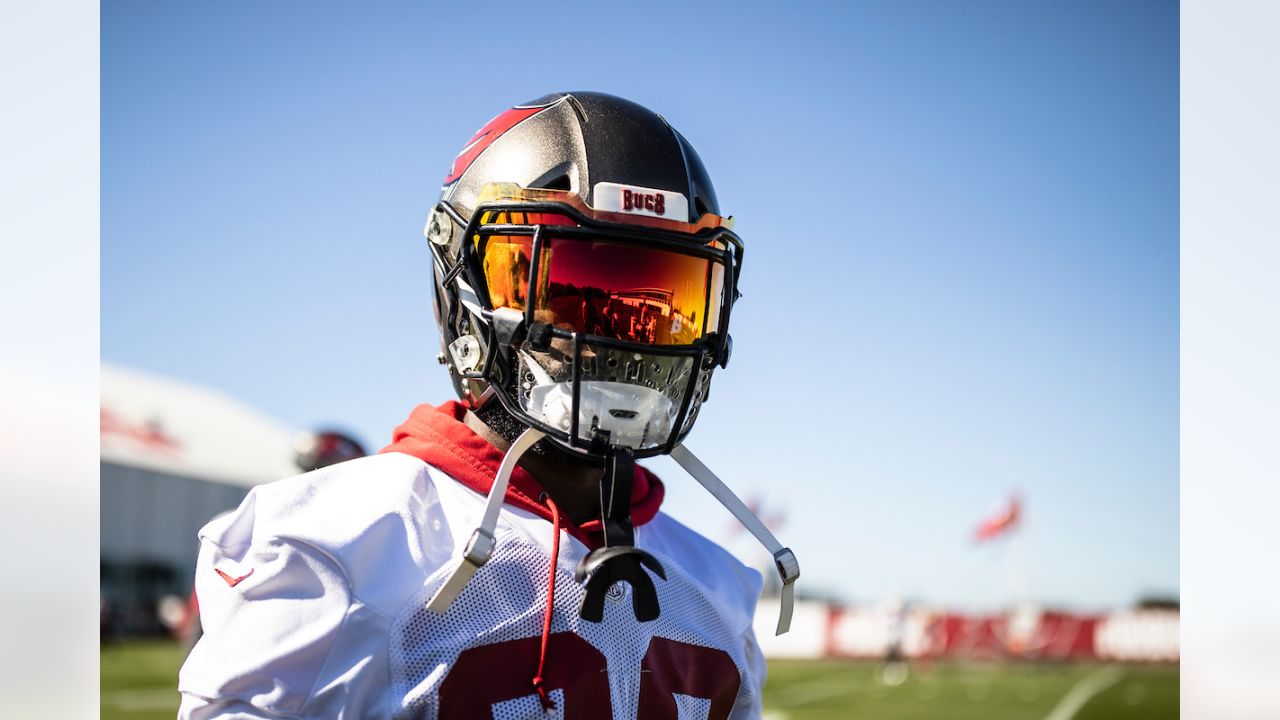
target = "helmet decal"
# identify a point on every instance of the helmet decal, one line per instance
(614, 197)
(485, 136)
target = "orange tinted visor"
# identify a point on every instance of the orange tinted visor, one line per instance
(614, 289)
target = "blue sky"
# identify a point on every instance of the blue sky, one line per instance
(962, 249)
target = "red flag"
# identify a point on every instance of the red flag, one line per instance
(1000, 523)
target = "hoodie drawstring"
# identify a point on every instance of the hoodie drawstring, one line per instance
(538, 685)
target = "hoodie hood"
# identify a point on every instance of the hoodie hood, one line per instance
(438, 437)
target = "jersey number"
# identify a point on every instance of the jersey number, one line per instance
(491, 674)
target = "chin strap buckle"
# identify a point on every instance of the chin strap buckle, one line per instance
(789, 571)
(479, 547)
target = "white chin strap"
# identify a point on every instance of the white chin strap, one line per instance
(481, 545)
(783, 558)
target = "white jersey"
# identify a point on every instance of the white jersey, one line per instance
(313, 599)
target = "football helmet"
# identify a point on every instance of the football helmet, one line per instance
(584, 277)
(321, 448)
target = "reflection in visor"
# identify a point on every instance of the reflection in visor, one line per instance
(612, 289)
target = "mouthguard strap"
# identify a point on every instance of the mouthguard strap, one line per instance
(784, 560)
(615, 498)
(618, 560)
(481, 545)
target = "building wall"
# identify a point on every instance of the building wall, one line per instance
(149, 522)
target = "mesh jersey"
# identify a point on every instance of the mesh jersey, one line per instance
(313, 594)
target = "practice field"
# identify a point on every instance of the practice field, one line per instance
(971, 691)
(138, 681)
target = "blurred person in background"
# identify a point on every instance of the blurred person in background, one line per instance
(894, 669)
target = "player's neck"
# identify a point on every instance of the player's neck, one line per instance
(573, 483)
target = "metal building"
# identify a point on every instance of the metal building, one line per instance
(174, 455)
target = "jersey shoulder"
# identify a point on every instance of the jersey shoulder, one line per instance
(705, 562)
(371, 517)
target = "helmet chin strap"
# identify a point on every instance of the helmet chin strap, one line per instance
(783, 559)
(618, 559)
(480, 547)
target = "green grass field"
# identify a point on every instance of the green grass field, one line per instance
(813, 690)
(138, 681)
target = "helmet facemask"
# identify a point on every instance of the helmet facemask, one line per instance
(590, 329)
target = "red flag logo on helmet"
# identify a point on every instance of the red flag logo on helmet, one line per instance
(485, 136)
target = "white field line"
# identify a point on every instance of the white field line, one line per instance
(832, 683)
(814, 693)
(1080, 693)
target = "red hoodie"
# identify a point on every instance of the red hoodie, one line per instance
(438, 437)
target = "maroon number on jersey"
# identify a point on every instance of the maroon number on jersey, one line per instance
(495, 673)
(674, 667)
(491, 674)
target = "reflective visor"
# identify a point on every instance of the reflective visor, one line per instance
(605, 287)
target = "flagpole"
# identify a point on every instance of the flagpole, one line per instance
(1021, 572)
(1022, 568)
(1017, 569)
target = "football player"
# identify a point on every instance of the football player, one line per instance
(505, 556)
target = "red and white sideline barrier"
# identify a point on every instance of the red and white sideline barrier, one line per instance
(1139, 635)
(820, 630)
(808, 637)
